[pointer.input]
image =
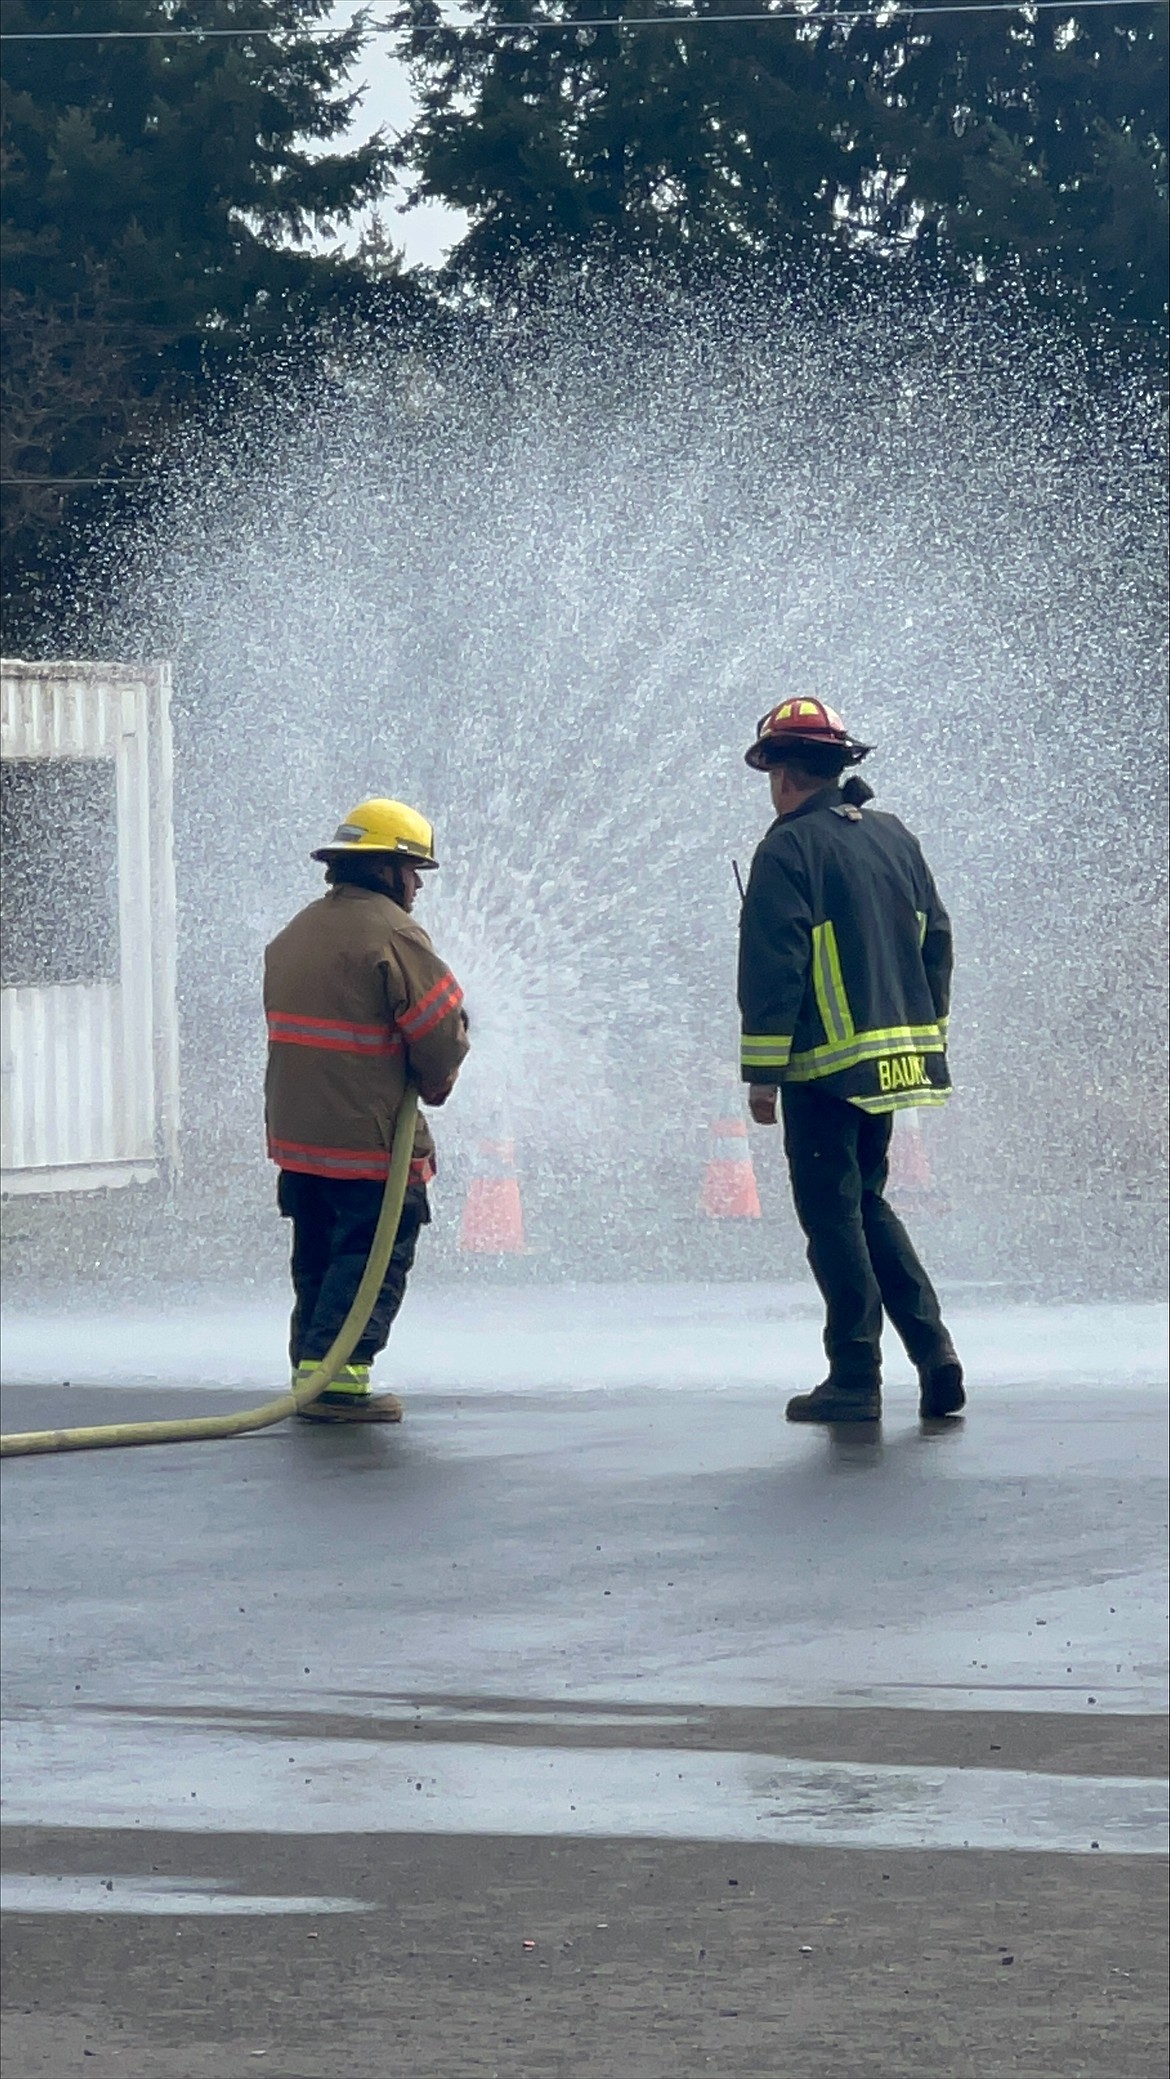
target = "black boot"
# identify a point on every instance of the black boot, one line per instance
(838, 1400)
(941, 1389)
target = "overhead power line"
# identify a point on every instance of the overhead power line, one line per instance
(894, 13)
(10, 482)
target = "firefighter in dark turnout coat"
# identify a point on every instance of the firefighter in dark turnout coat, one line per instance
(844, 989)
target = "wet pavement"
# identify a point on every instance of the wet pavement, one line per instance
(775, 1746)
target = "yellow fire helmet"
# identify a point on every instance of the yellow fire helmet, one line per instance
(384, 826)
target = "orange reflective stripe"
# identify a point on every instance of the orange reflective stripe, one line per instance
(316, 1161)
(324, 1024)
(334, 1035)
(431, 1009)
(347, 1165)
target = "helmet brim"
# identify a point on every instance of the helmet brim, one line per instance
(772, 750)
(327, 852)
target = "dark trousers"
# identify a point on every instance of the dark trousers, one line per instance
(333, 1226)
(860, 1254)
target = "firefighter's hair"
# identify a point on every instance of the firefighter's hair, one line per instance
(363, 870)
(812, 761)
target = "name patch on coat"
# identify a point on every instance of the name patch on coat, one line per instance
(902, 1071)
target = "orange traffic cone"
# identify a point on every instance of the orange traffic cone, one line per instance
(909, 1163)
(729, 1182)
(493, 1223)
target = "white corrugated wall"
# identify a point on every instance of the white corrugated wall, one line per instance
(90, 1069)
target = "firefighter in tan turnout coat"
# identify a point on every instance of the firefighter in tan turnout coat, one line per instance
(357, 1002)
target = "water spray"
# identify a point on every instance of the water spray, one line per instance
(543, 585)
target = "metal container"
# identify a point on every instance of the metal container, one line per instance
(90, 1052)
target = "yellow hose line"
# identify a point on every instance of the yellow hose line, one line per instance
(118, 1435)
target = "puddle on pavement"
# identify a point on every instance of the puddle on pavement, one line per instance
(21, 1892)
(199, 1778)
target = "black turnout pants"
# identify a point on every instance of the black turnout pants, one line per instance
(860, 1254)
(333, 1226)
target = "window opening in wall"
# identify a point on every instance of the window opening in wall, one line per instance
(59, 886)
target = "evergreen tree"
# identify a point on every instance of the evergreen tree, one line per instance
(1035, 142)
(663, 139)
(158, 197)
(1030, 142)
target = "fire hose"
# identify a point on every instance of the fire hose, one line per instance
(117, 1436)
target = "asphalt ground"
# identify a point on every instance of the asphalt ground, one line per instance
(613, 1734)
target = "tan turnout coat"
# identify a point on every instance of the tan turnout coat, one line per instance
(357, 1002)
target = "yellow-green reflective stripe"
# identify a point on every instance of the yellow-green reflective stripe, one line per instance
(901, 1100)
(352, 1379)
(838, 979)
(823, 989)
(829, 984)
(893, 1039)
(768, 1052)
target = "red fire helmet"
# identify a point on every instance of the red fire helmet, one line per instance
(801, 720)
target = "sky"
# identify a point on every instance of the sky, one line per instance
(426, 232)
